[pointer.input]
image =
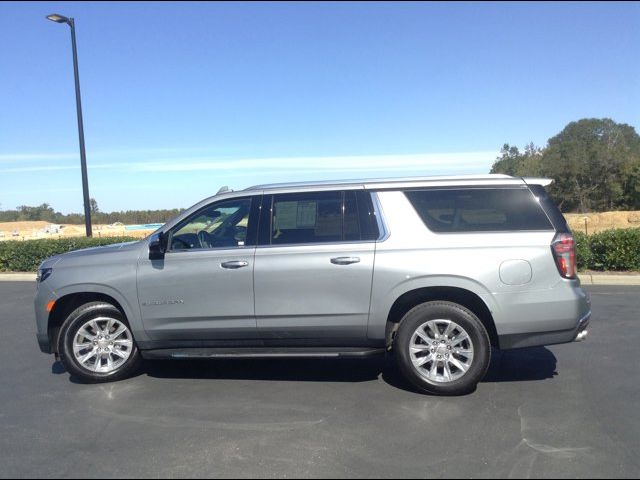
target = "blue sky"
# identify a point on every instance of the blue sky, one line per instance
(181, 98)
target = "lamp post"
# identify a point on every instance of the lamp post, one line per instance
(83, 157)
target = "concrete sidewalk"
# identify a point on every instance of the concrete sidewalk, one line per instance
(18, 277)
(585, 278)
(609, 279)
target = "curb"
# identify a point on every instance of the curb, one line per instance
(609, 279)
(585, 278)
(18, 277)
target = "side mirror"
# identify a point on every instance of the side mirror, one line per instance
(157, 246)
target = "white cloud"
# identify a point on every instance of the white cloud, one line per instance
(427, 162)
(38, 168)
(22, 157)
(333, 163)
(104, 154)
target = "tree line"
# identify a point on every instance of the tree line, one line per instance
(595, 165)
(47, 213)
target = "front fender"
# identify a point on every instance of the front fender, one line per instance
(132, 312)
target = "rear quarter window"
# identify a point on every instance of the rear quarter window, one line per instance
(479, 210)
(551, 209)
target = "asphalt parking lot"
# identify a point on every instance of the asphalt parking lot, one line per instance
(563, 411)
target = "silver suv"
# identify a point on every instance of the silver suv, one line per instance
(435, 270)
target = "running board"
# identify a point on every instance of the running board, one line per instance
(312, 352)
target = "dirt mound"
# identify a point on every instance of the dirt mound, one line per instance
(22, 226)
(20, 230)
(31, 230)
(597, 222)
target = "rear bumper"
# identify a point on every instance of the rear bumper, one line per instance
(538, 339)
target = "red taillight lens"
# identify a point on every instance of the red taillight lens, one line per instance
(564, 251)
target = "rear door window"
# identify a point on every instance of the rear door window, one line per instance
(479, 210)
(306, 218)
(320, 217)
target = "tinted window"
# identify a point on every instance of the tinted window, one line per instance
(479, 210)
(360, 221)
(558, 220)
(321, 217)
(306, 218)
(351, 217)
(219, 225)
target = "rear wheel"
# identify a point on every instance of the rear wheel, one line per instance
(97, 345)
(442, 348)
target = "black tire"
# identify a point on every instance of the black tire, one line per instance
(69, 330)
(465, 319)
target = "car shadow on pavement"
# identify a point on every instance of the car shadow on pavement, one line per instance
(290, 369)
(522, 365)
(529, 364)
(57, 368)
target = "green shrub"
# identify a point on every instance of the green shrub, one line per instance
(584, 255)
(25, 256)
(609, 250)
(615, 250)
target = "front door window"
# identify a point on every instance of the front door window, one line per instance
(219, 225)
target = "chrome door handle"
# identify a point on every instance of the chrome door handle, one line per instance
(345, 260)
(234, 264)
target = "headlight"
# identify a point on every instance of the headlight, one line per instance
(43, 274)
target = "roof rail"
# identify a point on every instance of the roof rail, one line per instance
(538, 181)
(389, 180)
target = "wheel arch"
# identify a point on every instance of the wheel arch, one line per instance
(68, 302)
(459, 295)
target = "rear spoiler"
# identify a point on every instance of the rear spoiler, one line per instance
(538, 181)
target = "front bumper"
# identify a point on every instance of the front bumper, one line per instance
(44, 343)
(43, 296)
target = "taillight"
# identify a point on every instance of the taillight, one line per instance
(564, 251)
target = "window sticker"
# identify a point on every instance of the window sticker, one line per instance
(286, 215)
(295, 215)
(306, 217)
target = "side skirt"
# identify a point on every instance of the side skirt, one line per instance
(262, 352)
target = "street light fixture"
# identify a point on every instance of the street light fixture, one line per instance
(54, 17)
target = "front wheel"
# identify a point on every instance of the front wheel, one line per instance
(442, 348)
(97, 345)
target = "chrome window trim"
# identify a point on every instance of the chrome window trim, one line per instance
(491, 232)
(194, 250)
(318, 244)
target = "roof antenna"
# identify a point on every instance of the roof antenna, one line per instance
(224, 189)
